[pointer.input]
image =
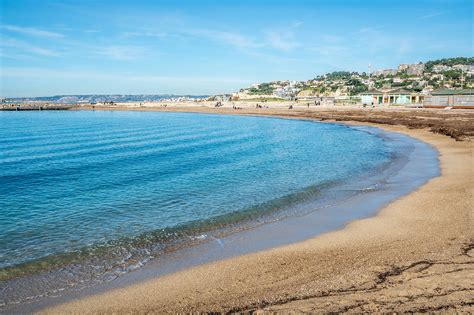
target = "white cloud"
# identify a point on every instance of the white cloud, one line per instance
(229, 38)
(121, 52)
(281, 40)
(330, 50)
(265, 57)
(234, 39)
(431, 15)
(404, 46)
(25, 47)
(374, 41)
(35, 81)
(145, 34)
(31, 31)
(331, 38)
(32, 73)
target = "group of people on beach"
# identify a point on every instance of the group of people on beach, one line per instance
(316, 103)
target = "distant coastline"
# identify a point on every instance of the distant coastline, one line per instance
(88, 99)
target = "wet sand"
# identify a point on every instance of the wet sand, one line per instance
(417, 254)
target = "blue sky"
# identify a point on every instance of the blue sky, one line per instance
(53, 47)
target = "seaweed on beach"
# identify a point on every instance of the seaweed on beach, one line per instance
(458, 125)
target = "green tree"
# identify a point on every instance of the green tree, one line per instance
(454, 74)
(449, 62)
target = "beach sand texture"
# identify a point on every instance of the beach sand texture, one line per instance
(417, 254)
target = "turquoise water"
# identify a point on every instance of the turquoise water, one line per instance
(122, 186)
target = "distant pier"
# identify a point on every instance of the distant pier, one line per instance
(18, 107)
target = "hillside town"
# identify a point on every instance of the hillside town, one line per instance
(407, 84)
(437, 84)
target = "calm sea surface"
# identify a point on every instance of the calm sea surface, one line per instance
(119, 187)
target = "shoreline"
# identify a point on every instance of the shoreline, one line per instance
(312, 219)
(416, 254)
(457, 123)
(285, 277)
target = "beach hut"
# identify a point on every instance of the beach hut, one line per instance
(371, 97)
(398, 96)
(450, 98)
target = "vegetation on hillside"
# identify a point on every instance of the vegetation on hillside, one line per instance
(338, 75)
(349, 83)
(356, 87)
(262, 89)
(449, 62)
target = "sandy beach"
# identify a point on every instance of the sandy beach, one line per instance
(416, 255)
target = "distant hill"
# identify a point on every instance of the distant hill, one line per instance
(97, 98)
(449, 73)
(449, 62)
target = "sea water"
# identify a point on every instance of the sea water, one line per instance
(93, 194)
